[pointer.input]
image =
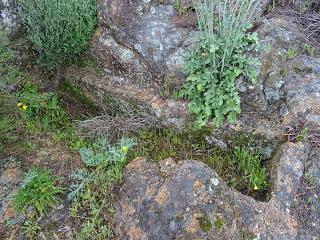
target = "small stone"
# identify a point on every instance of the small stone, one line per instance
(214, 181)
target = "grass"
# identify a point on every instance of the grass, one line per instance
(240, 166)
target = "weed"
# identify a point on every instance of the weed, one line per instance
(38, 190)
(302, 135)
(218, 59)
(291, 53)
(92, 186)
(42, 112)
(309, 50)
(31, 228)
(250, 164)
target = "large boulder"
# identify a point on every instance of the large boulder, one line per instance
(288, 88)
(188, 200)
(142, 42)
(287, 83)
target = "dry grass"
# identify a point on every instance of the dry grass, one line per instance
(112, 126)
(118, 119)
(307, 19)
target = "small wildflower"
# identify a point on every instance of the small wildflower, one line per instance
(255, 188)
(125, 149)
(24, 107)
(19, 105)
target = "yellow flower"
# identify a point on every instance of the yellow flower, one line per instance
(19, 105)
(24, 107)
(125, 149)
(255, 188)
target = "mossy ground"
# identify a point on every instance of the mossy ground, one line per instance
(157, 144)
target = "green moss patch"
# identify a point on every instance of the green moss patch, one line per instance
(205, 223)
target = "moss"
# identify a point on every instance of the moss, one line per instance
(283, 72)
(219, 223)
(205, 223)
(87, 61)
(300, 70)
(246, 235)
(74, 101)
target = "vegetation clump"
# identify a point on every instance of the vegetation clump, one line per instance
(9, 74)
(58, 30)
(218, 58)
(240, 165)
(38, 190)
(92, 186)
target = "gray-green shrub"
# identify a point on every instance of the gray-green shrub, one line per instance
(59, 30)
(219, 58)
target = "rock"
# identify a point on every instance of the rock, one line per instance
(142, 67)
(212, 140)
(140, 41)
(306, 205)
(193, 202)
(288, 87)
(143, 43)
(9, 19)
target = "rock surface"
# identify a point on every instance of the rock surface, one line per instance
(9, 19)
(188, 200)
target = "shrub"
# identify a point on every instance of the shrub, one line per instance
(38, 191)
(59, 30)
(218, 59)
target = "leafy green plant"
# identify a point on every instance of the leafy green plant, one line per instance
(31, 228)
(302, 135)
(250, 164)
(43, 112)
(218, 59)
(38, 190)
(91, 188)
(291, 53)
(58, 30)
